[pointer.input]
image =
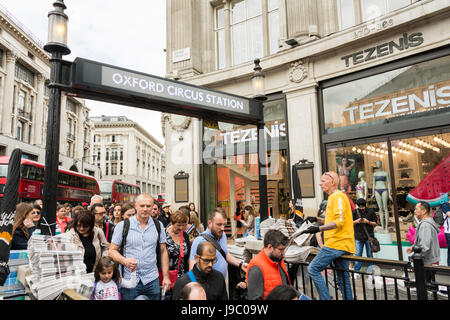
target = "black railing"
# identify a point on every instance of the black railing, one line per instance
(389, 280)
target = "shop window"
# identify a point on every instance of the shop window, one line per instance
(420, 173)
(409, 92)
(231, 162)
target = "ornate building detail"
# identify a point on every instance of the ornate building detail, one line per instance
(298, 72)
(166, 117)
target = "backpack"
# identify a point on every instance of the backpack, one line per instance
(439, 216)
(126, 228)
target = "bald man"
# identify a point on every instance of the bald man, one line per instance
(193, 291)
(339, 238)
(204, 273)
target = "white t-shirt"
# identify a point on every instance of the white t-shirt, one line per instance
(110, 290)
(106, 291)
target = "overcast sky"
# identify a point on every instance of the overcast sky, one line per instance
(129, 34)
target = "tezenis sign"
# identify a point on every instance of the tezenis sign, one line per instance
(406, 41)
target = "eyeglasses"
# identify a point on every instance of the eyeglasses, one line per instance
(80, 226)
(36, 212)
(208, 261)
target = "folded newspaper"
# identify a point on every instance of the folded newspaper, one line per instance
(56, 265)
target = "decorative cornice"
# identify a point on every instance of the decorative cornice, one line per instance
(24, 38)
(128, 124)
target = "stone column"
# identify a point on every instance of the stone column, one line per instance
(8, 101)
(302, 108)
(300, 15)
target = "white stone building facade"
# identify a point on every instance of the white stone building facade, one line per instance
(309, 51)
(124, 150)
(24, 98)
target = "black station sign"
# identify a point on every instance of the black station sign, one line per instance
(95, 80)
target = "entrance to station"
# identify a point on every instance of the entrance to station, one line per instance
(97, 81)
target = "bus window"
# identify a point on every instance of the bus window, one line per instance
(32, 173)
(63, 179)
(3, 170)
(24, 172)
(39, 174)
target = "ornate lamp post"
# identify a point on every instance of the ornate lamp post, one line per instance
(259, 94)
(57, 47)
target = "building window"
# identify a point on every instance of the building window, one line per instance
(107, 154)
(71, 106)
(20, 130)
(409, 92)
(370, 9)
(113, 138)
(114, 154)
(114, 169)
(22, 73)
(121, 168)
(249, 38)
(21, 100)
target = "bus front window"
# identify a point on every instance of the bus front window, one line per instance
(3, 170)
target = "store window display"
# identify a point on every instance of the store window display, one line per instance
(421, 172)
(361, 187)
(382, 192)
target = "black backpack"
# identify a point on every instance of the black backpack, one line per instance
(126, 228)
(439, 216)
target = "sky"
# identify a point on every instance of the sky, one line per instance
(129, 34)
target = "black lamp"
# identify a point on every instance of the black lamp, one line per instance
(57, 47)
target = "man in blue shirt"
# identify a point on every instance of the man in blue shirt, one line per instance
(139, 253)
(216, 227)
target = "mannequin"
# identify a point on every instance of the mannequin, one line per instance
(361, 187)
(382, 191)
(344, 173)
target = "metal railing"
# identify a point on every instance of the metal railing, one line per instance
(389, 279)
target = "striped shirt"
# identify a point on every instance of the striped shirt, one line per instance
(339, 211)
(141, 245)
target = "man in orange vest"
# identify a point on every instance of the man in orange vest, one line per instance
(267, 270)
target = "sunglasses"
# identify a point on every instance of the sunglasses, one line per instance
(328, 174)
(36, 213)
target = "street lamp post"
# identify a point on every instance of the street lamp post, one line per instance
(259, 94)
(57, 47)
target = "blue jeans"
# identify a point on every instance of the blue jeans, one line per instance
(150, 290)
(359, 252)
(320, 262)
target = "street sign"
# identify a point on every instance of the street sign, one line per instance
(95, 80)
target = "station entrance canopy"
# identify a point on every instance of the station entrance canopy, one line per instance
(98, 81)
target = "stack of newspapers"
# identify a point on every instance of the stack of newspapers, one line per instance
(56, 265)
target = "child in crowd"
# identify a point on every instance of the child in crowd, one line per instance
(108, 281)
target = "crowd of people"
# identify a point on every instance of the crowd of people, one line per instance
(144, 250)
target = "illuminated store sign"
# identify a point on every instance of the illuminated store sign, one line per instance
(399, 103)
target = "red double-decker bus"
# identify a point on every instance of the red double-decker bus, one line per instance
(73, 187)
(118, 192)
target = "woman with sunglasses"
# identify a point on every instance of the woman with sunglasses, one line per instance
(23, 226)
(36, 217)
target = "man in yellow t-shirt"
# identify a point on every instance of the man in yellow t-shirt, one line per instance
(338, 236)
